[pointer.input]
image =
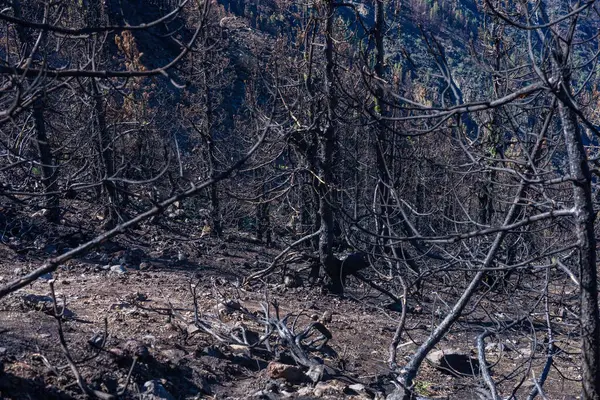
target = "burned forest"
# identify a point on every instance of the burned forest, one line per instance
(271, 199)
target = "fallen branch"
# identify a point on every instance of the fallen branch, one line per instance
(58, 315)
(274, 324)
(393, 349)
(485, 371)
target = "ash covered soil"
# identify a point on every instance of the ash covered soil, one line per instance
(129, 326)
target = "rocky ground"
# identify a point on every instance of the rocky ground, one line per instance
(131, 329)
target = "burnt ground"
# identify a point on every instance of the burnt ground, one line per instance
(149, 313)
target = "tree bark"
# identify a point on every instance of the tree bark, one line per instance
(584, 229)
(111, 217)
(325, 175)
(380, 143)
(49, 172)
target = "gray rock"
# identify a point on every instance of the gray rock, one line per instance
(36, 300)
(291, 281)
(154, 390)
(315, 373)
(46, 304)
(119, 269)
(173, 355)
(358, 388)
(96, 340)
(330, 389)
(192, 328)
(327, 317)
(290, 373)
(454, 362)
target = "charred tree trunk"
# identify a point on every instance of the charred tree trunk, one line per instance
(382, 148)
(584, 215)
(105, 149)
(325, 175)
(215, 204)
(94, 15)
(383, 173)
(263, 221)
(584, 229)
(49, 172)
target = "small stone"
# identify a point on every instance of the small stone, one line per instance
(315, 373)
(136, 349)
(119, 269)
(140, 296)
(192, 328)
(330, 389)
(37, 301)
(173, 355)
(170, 327)
(240, 350)
(525, 352)
(290, 373)
(96, 340)
(327, 317)
(305, 391)
(227, 307)
(154, 390)
(357, 387)
(454, 362)
(116, 352)
(291, 281)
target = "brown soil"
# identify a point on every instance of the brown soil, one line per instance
(152, 309)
